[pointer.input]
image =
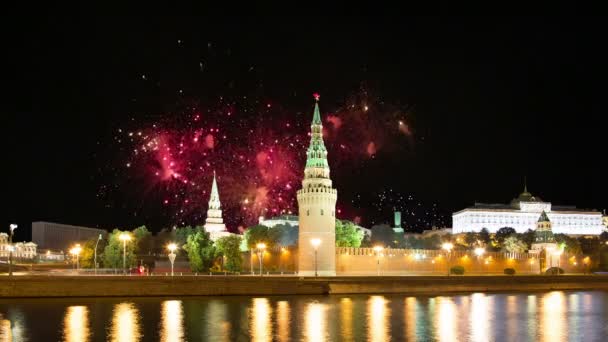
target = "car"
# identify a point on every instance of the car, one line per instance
(140, 270)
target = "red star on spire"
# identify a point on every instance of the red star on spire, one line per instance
(316, 96)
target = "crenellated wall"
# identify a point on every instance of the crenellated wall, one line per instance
(365, 261)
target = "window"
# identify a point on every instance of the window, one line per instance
(307, 212)
(321, 211)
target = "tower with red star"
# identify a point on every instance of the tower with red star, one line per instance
(317, 208)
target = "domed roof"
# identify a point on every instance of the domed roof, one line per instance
(525, 196)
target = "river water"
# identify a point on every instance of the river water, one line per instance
(543, 316)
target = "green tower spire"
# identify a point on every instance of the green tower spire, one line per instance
(316, 155)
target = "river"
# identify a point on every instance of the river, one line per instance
(543, 316)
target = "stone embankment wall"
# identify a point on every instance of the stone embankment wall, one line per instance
(138, 286)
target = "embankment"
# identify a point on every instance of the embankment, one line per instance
(137, 286)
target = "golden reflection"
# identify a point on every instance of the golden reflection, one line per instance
(172, 320)
(445, 320)
(125, 323)
(283, 320)
(553, 317)
(315, 328)
(218, 326)
(378, 318)
(261, 325)
(76, 324)
(346, 318)
(480, 325)
(410, 318)
(5, 329)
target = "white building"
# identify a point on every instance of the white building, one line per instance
(317, 208)
(214, 224)
(291, 220)
(21, 250)
(522, 214)
(294, 221)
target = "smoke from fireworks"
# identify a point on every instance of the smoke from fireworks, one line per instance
(256, 147)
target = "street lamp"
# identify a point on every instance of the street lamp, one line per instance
(96, 243)
(261, 247)
(378, 249)
(315, 244)
(448, 248)
(76, 251)
(10, 249)
(124, 237)
(172, 247)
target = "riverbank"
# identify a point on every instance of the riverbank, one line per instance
(144, 286)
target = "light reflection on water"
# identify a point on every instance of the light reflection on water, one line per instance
(125, 323)
(76, 324)
(552, 316)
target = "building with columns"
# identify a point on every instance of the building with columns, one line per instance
(522, 214)
(21, 250)
(214, 224)
(317, 208)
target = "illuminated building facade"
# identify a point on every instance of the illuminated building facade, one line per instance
(22, 250)
(522, 214)
(317, 208)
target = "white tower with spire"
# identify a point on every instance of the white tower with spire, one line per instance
(214, 224)
(317, 208)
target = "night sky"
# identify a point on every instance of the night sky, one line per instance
(482, 104)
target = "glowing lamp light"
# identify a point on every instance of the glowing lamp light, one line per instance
(261, 246)
(171, 247)
(378, 249)
(447, 246)
(479, 251)
(76, 250)
(315, 243)
(124, 237)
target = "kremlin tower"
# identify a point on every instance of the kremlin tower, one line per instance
(214, 224)
(317, 208)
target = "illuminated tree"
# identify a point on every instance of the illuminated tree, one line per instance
(503, 233)
(112, 253)
(260, 234)
(347, 235)
(87, 254)
(514, 245)
(229, 248)
(142, 240)
(571, 245)
(201, 251)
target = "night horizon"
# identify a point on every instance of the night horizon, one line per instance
(480, 109)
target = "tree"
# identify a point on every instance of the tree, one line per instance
(200, 251)
(570, 244)
(514, 245)
(347, 235)
(484, 236)
(142, 240)
(284, 234)
(229, 248)
(384, 235)
(259, 234)
(431, 242)
(182, 233)
(87, 255)
(503, 233)
(113, 252)
(528, 237)
(471, 239)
